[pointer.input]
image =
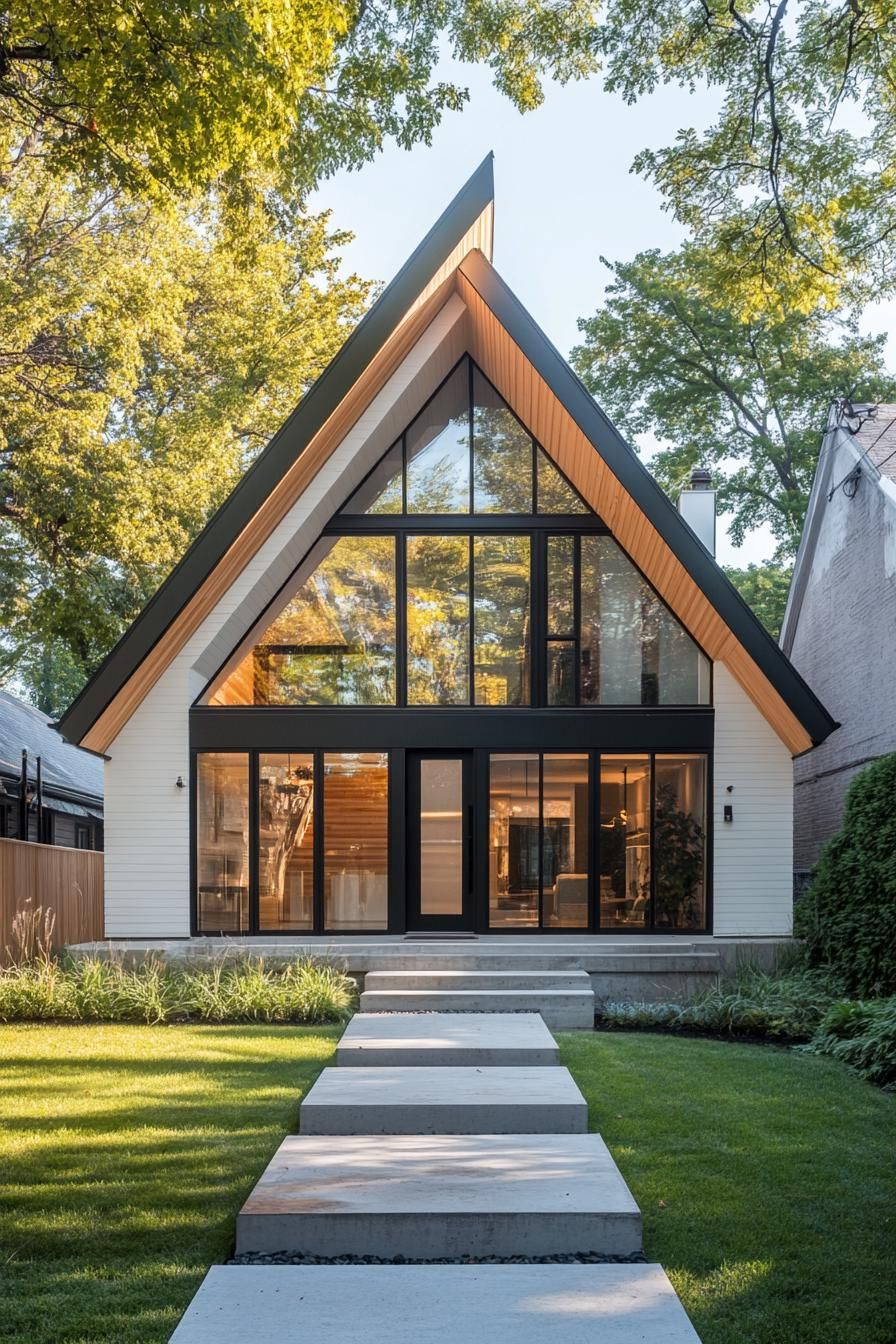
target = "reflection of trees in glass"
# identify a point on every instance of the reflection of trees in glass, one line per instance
(334, 641)
(285, 810)
(501, 619)
(438, 620)
(555, 494)
(678, 862)
(502, 458)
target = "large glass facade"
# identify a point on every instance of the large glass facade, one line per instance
(501, 619)
(222, 842)
(438, 620)
(356, 840)
(573, 840)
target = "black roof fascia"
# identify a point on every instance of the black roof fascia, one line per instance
(288, 443)
(650, 498)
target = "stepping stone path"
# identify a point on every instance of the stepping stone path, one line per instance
(441, 1137)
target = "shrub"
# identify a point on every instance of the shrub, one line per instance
(863, 1035)
(155, 992)
(847, 917)
(753, 1003)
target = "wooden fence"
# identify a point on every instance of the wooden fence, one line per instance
(68, 881)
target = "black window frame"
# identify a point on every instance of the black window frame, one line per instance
(399, 830)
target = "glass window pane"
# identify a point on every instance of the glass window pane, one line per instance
(555, 494)
(356, 840)
(441, 837)
(564, 853)
(334, 641)
(501, 619)
(438, 450)
(285, 842)
(633, 650)
(680, 842)
(624, 841)
(502, 454)
(222, 841)
(381, 492)
(513, 848)
(561, 674)
(561, 585)
(438, 580)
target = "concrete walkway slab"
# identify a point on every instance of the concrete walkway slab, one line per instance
(506, 978)
(440, 1100)
(414, 1039)
(441, 1196)
(429, 1304)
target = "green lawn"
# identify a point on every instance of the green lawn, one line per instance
(766, 1178)
(125, 1153)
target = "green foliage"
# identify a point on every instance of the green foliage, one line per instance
(862, 1035)
(177, 97)
(155, 992)
(848, 915)
(764, 588)
(753, 1003)
(680, 856)
(673, 353)
(792, 183)
(148, 353)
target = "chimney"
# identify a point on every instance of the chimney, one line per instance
(697, 506)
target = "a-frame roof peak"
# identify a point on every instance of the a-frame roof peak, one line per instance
(465, 224)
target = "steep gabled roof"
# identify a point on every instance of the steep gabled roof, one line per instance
(468, 217)
(536, 381)
(867, 434)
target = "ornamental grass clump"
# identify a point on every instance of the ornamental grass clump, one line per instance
(155, 992)
(863, 1035)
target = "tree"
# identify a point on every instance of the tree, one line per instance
(793, 183)
(671, 352)
(764, 588)
(146, 353)
(179, 97)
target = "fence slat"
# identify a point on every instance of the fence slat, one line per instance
(69, 881)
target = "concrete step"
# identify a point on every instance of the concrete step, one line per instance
(441, 1196)
(440, 1100)
(509, 978)
(411, 1039)
(562, 1009)
(428, 1304)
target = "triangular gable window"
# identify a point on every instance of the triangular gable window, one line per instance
(466, 452)
(333, 642)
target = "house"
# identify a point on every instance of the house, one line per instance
(63, 793)
(448, 660)
(839, 628)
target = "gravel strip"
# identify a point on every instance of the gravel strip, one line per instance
(293, 1258)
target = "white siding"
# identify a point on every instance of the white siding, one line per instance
(147, 838)
(753, 878)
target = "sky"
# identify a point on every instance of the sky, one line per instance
(564, 197)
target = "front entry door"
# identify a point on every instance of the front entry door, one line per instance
(440, 840)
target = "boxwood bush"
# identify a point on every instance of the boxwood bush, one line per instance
(847, 917)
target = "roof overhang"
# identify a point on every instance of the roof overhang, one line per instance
(537, 382)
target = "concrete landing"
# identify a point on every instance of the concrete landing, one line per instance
(562, 1009)
(440, 1100)
(441, 1196)
(429, 1304)
(376, 1039)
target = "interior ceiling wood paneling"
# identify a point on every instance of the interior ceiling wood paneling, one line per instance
(526, 391)
(376, 375)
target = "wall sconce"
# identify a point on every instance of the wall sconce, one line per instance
(179, 782)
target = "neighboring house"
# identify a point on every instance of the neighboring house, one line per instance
(448, 659)
(840, 625)
(67, 809)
